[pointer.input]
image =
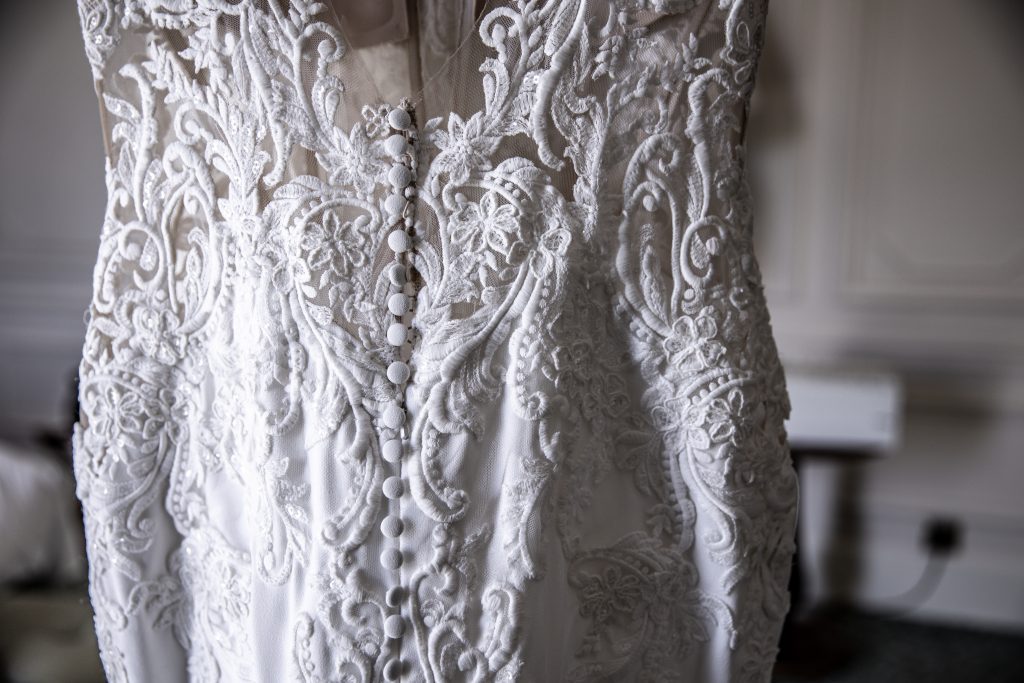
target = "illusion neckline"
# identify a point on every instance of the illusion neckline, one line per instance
(447, 69)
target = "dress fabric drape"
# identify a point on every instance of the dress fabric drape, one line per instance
(477, 385)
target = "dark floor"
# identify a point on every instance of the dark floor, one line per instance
(843, 646)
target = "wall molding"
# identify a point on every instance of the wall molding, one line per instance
(876, 266)
(980, 586)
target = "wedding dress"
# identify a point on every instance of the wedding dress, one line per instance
(478, 385)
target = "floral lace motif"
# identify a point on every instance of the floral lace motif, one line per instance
(598, 483)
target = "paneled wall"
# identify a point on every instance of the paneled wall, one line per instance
(886, 143)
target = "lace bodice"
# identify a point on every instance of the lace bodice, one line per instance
(479, 385)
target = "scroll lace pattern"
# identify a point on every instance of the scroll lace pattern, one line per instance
(582, 270)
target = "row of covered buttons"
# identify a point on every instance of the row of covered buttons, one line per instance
(399, 209)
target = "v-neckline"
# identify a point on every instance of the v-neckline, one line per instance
(447, 70)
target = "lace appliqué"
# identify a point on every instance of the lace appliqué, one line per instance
(596, 399)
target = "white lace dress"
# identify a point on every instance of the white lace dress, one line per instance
(476, 386)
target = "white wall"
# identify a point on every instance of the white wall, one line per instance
(886, 145)
(51, 208)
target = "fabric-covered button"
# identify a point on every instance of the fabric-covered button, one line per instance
(399, 119)
(393, 669)
(396, 271)
(399, 176)
(394, 204)
(393, 416)
(398, 303)
(391, 558)
(392, 450)
(397, 334)
(398, 240)
(393, 487)
(398, 372)
(392, 526)
(396, 145)
(394, 596)
(394, 626)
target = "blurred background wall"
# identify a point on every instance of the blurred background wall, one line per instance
(52, 198)
(886, 145)
(886, 137)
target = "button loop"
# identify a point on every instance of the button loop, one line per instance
(399, 210)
